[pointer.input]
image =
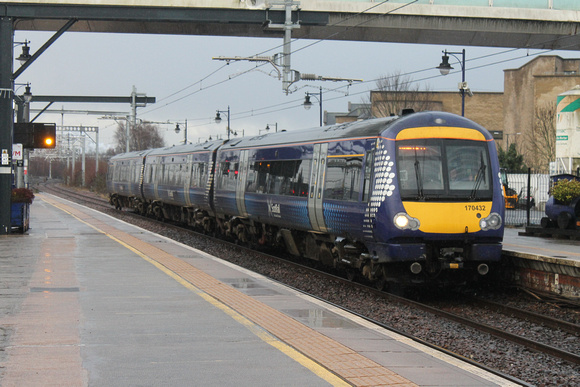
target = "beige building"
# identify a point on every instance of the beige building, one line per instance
(510, 116)
(529, 91)
(484, 108)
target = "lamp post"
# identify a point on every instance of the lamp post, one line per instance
(445, 67)
(178, 129)
(218, 119)
(308, 104)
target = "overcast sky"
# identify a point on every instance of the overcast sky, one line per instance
(188, 85)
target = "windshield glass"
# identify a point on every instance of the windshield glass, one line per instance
(440, 169)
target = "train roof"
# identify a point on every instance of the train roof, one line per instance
(387, 126)
(130, 155)
(367, 128)
(207, 146)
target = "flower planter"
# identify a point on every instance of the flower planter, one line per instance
(20, 216)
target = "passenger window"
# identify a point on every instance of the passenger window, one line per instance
(343, 178)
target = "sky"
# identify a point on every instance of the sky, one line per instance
(188, 85)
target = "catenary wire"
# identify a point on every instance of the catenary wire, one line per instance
(253, 112)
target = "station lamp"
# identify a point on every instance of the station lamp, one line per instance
(25, 55)
(444, 67)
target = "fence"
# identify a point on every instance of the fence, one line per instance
(531, 189)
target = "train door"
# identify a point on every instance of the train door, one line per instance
(241, 182)
(187, 183)
(131, 176)
(315, 195)
(141, 177)
(157, 175)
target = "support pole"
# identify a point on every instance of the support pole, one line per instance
(6, 121)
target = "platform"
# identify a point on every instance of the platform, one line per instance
(91, 300)
(545, 264)
(564, 251)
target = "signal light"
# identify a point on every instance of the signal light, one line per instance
(35, 135)
(44, 136)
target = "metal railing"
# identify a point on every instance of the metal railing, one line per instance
(531, 189)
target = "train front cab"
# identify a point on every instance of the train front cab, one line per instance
(438, 203)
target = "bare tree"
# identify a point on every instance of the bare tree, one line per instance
(541, 140)
(396, 92)
(142, 136)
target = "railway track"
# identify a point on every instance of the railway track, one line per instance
(465, 314)
(81, 197)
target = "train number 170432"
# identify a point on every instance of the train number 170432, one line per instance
(470, 207)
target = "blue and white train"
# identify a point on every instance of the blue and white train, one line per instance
(409, 199)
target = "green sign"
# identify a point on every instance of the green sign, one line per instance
(561, 138)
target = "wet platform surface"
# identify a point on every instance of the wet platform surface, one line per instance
(90, 300)
(544, 248)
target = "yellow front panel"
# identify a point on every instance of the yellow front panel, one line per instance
(448, 218)
(440, 132)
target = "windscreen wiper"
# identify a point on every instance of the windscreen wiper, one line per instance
(478, 179)
(419, 179)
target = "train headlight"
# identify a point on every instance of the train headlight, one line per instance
(492, 222)
(405, 222)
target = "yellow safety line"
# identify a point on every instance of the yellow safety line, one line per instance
(316, 368)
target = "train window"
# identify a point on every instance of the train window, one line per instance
(466, 164)
(226, 168)
(146, 174)
(227, 180)
(161, 174)
(123, 173)
(440, 169)
(263, 170)
(299, 186)
(420, 167)
(343, 178)
(369, 161)
(194, 181)
(279, 177)
(137, 175)
(202, 174)
(115, 176)
(251, 185)
(154, 172)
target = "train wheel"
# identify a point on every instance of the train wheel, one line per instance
(381, 284)
(326, 256)
(351, 274)
(381, 279)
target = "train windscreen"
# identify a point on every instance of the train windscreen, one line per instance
(443, 169)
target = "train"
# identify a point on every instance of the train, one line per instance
(410, 199)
